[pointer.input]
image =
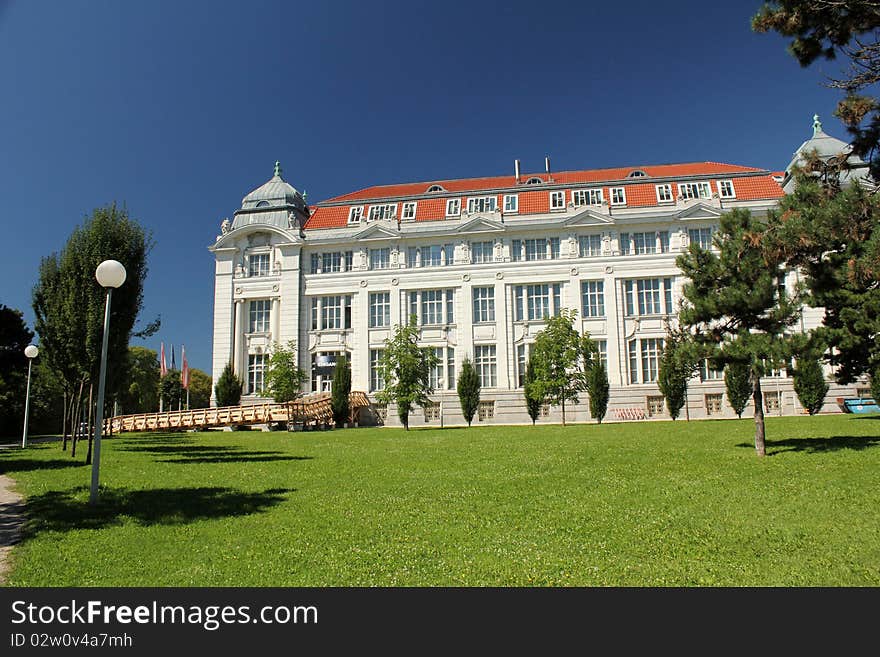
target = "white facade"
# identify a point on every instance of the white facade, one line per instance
(479, 282)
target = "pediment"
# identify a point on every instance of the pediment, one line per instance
(481, 225)
(698, 211)
(588, 217)
(377, 232)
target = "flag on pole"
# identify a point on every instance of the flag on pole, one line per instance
(163, 368)
(173, 367)
(184, 369)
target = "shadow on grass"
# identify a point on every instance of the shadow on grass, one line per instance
(8, 465)
(814, 445)
(69, 510)
(207, 454)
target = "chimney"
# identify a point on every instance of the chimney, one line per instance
(516, 169)
(547, 165)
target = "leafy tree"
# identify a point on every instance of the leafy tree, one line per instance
(810, 384)
(285, 378)
(406, 369)
(875, 385)
(140, 389)
(14, 337)
(738, 382)
(678, 364)
(468, 390)
(598, 389)
(341, 390)
(533, 399)
(228, 388)
(171, 390)
(735, 304)
(559, 355)
(199, 389)
(824, 29)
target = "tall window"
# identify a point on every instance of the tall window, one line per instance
(586, 197)
(648, 296)
(323, 363)
(482, 204)
(709, 374)
(377, 381)
(432, 306)
(523, 351)
(535, 302)
(482, 252)
(331, 312)
(445, 365)
(602, 348)
(380, 309)
(259, 316)
(256, 373)
(701, 236)
(485, 363)
(258, 264)
(590, 246)
(625, 244)
(664, 241)
(644, 359)
(694, 190)
(380, 258)
(484, 304)
(593, 298)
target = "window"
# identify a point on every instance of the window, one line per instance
(535, 249)
(655, 405)
(618, 196)
(523, 351)
(534, 180)
(725, 189)
(485, 410)
(380, 258)
(586, 197)
(557, 200)
(409, 211)
(445, 363)
(535, 302)
(664, 241)
(593, 298)
(625, 244)
(382, 412)
(664, 193)
(377, 379)
(644, 359)
(590, 246)
(355, 213)
(544, 411)
(432, 411)
(648, 296)
(258, 264)
(511, 203)
(435, 188)
(328, 263)
(453, 207)
(482, 252)
(378, 212)
(700, 236)
(638, 173)
(484, 304)
(694, 190)
(450, 368)
(771, 401)
(644, 243)
(482, 204)
(323, 363)
(256, 373)
(484, 361)
(259, 316)
(713, 403)
(331, 312)
(380, 309)
(862, 393)
(429, 306)
(709, 374)
(435, 255)
(602, 348)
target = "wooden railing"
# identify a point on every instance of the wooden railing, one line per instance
(310, 410)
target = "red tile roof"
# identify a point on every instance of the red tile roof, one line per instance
(328, 214)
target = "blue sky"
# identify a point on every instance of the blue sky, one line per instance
(178, 109)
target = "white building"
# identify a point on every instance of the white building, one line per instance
(480, 262)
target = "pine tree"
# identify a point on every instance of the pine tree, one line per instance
(810, 384)
(737, 381)
(228, 388)
(598, 389)
(341, 389)
(468, 390)
(533, 399)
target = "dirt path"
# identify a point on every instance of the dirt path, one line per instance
(11, 519)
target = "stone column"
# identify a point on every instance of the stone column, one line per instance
(276, 320)
(238, 336)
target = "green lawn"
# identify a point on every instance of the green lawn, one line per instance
(638, 504)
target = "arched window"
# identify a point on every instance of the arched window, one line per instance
(534, 181)
(638, 173)
(263, 204)
(435, 188)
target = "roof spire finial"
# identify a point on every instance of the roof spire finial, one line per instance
(817, 125)
(277, 169)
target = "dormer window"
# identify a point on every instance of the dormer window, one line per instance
(263, 204)
(586, 197)
(694, 190)
(534, 181)
(379, 212)
(557, 200)
(637, 173)
(409, 211)
(355, 214)
(618, 196)
(482, 204)
(433, 189)
(453, 207)
(725, 189)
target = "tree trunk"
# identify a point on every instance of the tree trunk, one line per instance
(64, 412)
(89, 425)
(77, 407)
(687, 408)
(563, 412)
(758, 399)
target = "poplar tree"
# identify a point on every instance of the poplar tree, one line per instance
(468, 390)
(340, 391)
(737, 382)
(406, 370)
(810, 384)
(534, 400)
(598, 389)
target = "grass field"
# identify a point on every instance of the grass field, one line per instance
(638, 504)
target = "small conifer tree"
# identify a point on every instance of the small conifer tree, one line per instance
(737, 380)
(598, 389)
(340, 392)
(468, 390)
(228, 388)
(810, 384)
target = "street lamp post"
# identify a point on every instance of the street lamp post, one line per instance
(110, 274)
(31, 352)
